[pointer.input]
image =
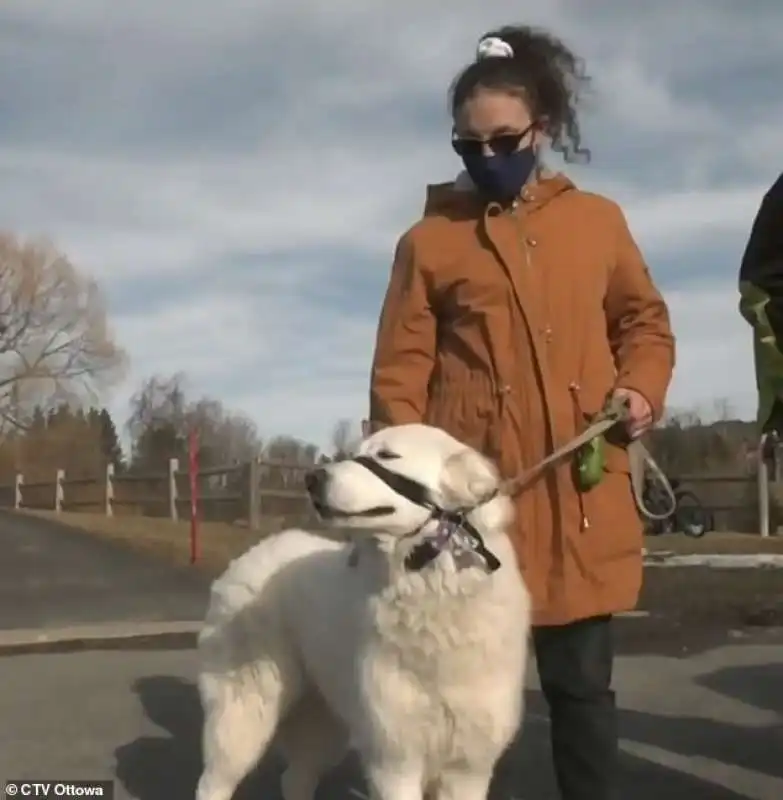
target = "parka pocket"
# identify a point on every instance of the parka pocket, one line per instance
(462, 406)
(615, 530)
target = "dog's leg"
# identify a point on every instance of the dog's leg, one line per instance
(462, 783)
(312, 741)
(239, 725)
(395, 781)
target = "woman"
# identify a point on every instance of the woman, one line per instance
(516, 308)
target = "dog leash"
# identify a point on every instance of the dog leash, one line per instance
(616, 411)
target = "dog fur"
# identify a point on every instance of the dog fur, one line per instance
(422, 671)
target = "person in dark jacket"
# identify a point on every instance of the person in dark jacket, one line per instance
(761, 304)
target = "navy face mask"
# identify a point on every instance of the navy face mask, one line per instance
(501, 176)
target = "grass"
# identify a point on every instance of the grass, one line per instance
(219, 542)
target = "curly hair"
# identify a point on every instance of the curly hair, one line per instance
(544, 72)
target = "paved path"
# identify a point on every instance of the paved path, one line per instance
(54, 576)
(704, 728)
(717, 560)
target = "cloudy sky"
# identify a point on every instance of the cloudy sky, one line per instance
(235, 174)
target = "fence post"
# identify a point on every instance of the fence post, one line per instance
(173, 468)
(193, 481)
(59, 491)
(762, 480)
(109, 494)
(18, 484)
(253, 498)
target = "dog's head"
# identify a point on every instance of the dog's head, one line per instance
(399, 475)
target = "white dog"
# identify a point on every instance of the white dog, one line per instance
(408, 643)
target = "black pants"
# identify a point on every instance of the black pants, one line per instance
(575, 669)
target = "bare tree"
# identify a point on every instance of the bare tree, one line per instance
(229, 437)
(680, 418)
(159, 399)
(162, 417)
(722, 410)
(291, 451)
(156, 424)
(55, 343)
(345, 440)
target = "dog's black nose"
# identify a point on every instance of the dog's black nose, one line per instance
(315, 481)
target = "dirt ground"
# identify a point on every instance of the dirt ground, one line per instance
(687, 608)
(694, 608)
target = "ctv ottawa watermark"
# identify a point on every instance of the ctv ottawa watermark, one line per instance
(54, 789)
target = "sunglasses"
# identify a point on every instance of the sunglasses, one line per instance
(502, 145)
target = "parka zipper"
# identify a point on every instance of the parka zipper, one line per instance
(574, 387)
(546, 335)
(527, 243)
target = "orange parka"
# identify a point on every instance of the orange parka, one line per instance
(508, 328)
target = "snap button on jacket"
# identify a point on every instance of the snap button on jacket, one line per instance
(508, 328)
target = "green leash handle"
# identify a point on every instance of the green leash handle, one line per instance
(589, 447)
(590, 462)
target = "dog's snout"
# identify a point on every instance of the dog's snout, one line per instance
(315, 481)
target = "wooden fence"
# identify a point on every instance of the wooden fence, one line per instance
(750, 501)
(231, 493)
(732, 499)
(248, 492)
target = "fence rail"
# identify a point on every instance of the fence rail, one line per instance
(253, 490)
(232, 492)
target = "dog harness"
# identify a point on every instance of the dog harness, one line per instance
(454, 532)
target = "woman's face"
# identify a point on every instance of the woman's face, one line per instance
(490, 114)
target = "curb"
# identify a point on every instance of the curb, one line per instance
(110, 636)
(730, 561)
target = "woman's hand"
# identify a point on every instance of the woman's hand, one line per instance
(640, 417)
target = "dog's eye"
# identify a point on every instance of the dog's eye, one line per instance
(386, 455)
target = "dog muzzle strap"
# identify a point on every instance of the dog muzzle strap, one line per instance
(454, 532)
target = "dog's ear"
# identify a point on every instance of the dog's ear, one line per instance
(468, 478)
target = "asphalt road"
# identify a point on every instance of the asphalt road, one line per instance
(704, 726)
(708, 727)
(54, 576)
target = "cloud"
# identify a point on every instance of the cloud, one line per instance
(715, 357)
(236, 174)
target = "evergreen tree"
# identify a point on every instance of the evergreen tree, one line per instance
(111, 448)
(156, 445)
(38, 421)
(59, 417)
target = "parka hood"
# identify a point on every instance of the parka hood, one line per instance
(461, 195)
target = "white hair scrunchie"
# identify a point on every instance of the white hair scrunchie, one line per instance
(493, 47)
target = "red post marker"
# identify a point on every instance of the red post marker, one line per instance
(193, 475)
